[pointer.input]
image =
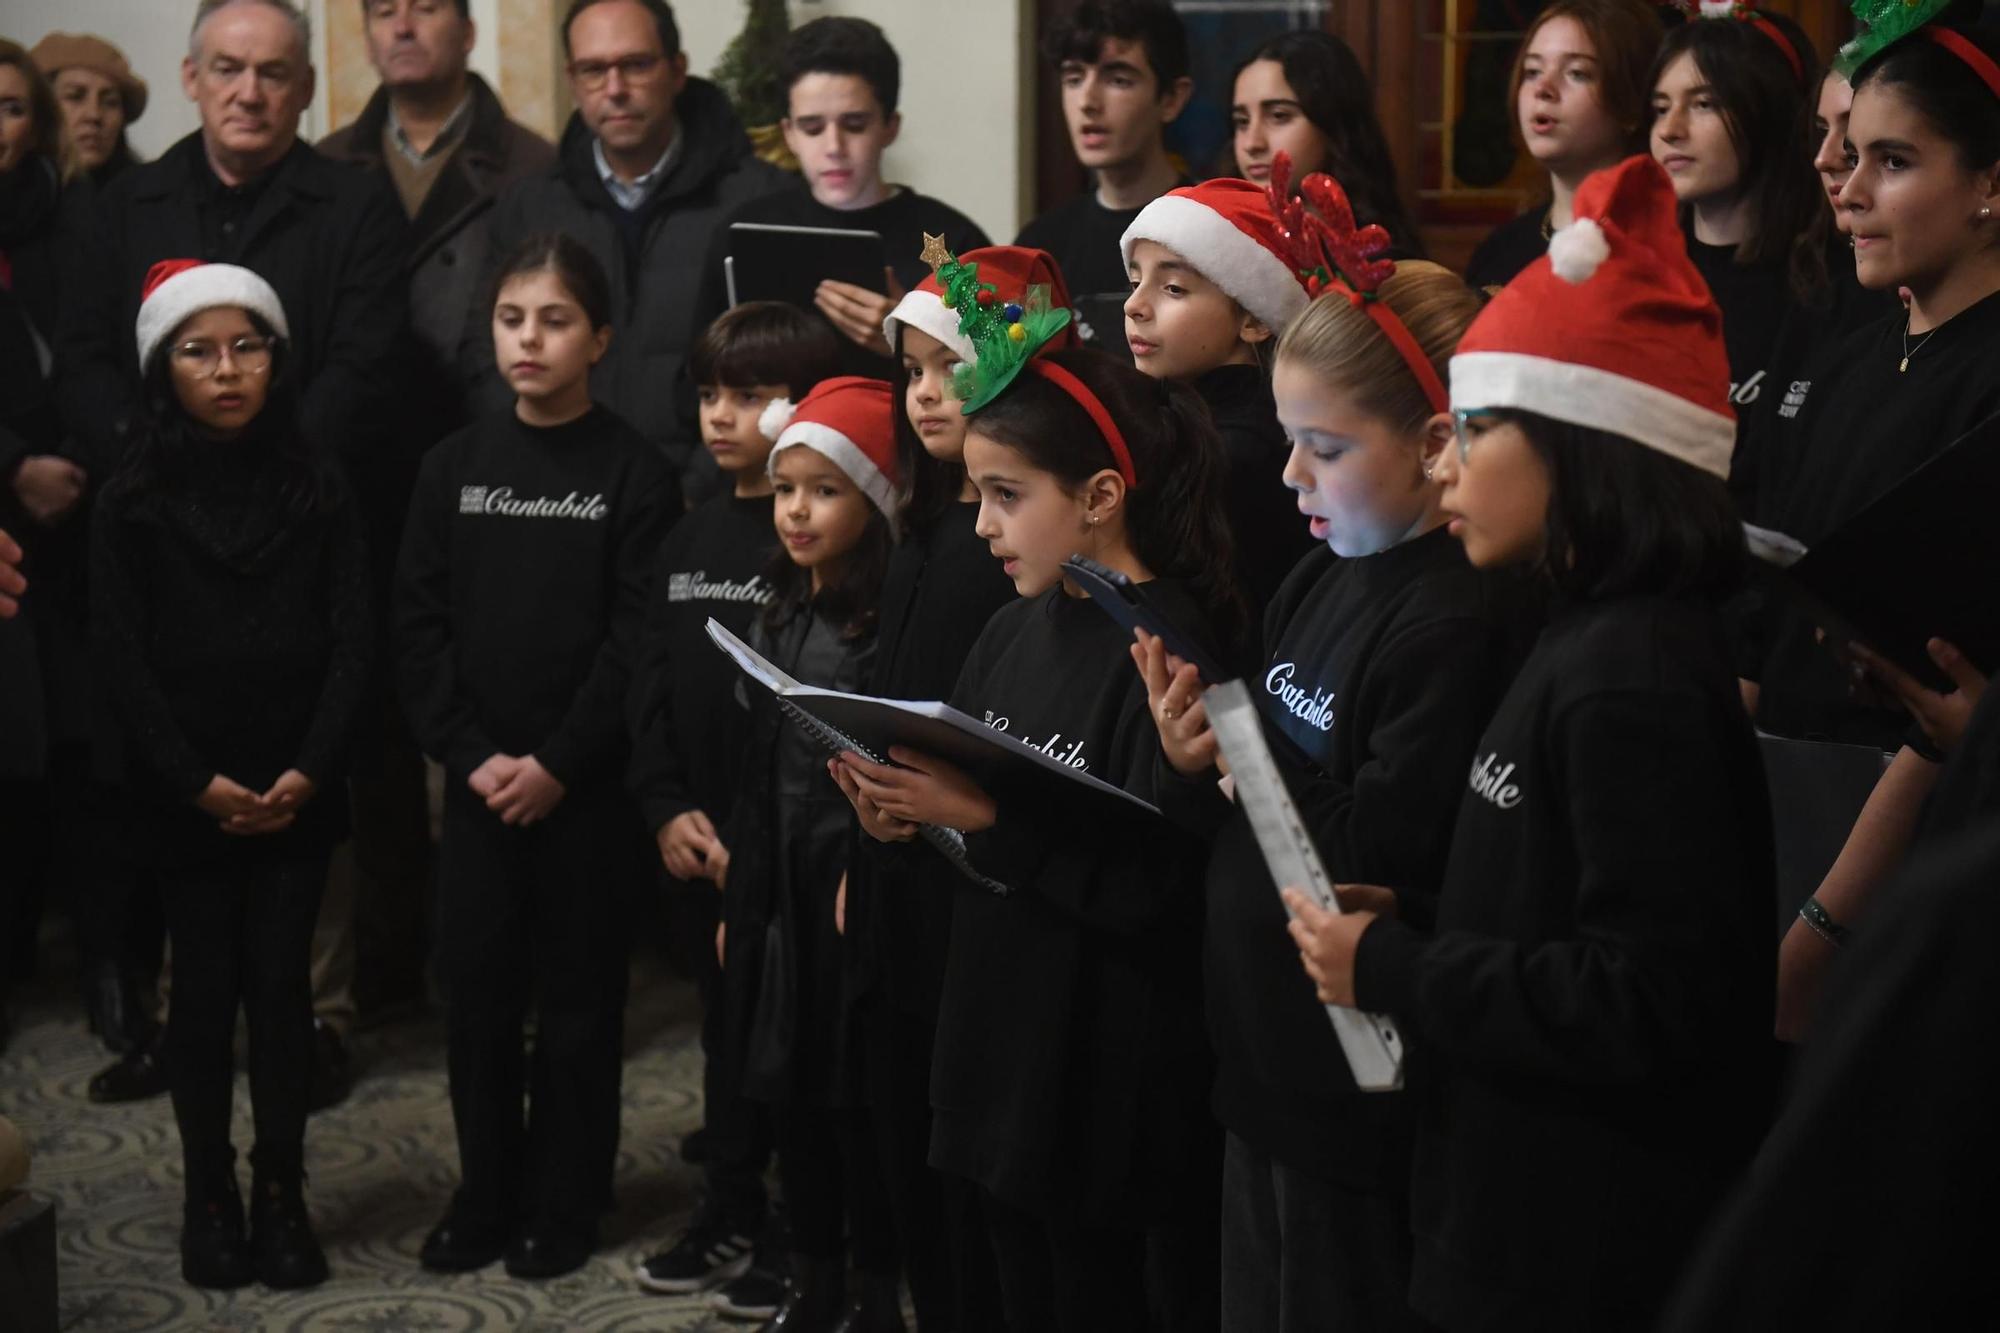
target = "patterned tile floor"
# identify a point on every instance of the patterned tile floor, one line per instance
(381, 1166)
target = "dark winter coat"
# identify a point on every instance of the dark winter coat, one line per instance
(654, 286)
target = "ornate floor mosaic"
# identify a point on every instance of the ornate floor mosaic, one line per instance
(382, 1166)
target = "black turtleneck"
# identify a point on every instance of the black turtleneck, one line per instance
(234, 632)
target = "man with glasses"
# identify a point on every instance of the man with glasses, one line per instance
(243, 190)
(650, 164)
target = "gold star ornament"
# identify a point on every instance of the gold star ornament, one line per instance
(936, 253)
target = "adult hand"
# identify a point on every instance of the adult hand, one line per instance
(276, 808)
(527, 796)
(687, 841)
(721, 943)
(857, 312)
(48, 487)
(881, 827)
(238, 810)
(1327, 941)
(1944, 717)
(840, 908)
(12, 585)
(1173, 693)
(920, 789)
(1366, 898)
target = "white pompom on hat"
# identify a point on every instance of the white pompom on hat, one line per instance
(177, 290)
(777, 415)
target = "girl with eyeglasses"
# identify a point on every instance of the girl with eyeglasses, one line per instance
(1591, 1006)
(230, 609)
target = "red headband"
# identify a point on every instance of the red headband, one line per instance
(1403, 341)
(1981, 63)
(1092, 404)
(1778, 38)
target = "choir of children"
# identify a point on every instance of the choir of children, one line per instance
(1062, 1062)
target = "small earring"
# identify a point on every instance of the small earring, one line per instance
(1430, 473)
(1985, 211)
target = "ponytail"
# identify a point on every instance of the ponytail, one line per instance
(1174, 515)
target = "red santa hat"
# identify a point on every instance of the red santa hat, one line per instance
(1226, 230)
(849, 419)
(1012, 269)
(177, 290)
(1613, 329)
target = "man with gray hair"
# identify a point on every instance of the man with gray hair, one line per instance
(328, 238)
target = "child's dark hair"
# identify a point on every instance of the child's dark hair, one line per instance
(1627, 520)
(1944, 90)
(166, 438)
(851, 600)
(574, 266)
(1174, 516)
(1333, 91)
(843, 46)
(1767, 108)
(934, 483)
(765, 342)
(1080, 35)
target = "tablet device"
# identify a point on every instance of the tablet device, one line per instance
(767, 262)
(1125, 602)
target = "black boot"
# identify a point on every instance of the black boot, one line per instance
(214, 1252)
(134, 1076)
(815, 1293)
(874, 1304)
(281, 1235)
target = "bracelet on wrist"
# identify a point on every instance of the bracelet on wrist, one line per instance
(1822, 924)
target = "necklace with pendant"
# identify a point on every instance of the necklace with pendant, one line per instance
(1909, 351)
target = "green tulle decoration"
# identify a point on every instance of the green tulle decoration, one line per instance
(1887, 22)
(1004, 335)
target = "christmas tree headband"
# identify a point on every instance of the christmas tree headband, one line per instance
(1332, 254)
(1890, 21)
(1005, 337)
(1729, 9)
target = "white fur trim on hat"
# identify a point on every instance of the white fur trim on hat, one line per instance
(204, 287)
(777, 415)
(1576, 252)
(845, 454)
(1599, 399)
(927, 311)
(1248, 271)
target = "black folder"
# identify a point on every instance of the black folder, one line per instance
(1126, 602)
(1921, 561)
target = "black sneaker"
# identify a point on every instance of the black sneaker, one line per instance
(704, 1256)
(757, 1294)
(133, 1076)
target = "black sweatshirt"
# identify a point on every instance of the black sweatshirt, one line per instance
(1509, 248)
(1070, 1068)
(1378, 676)
(1591, 1023)
(1083, 236)
(942, 588)
(1271, 535)
(1863, 426)
(687, 747)
(234, 637)
(1868, 1206)
(521, 592)
(902, 220)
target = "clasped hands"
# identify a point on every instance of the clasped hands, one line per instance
(245, 813)
(519, 790)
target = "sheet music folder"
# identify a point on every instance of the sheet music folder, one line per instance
(874, 725)
(1920, 561)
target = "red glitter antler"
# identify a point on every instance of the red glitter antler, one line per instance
(1354, 250)
(1321, 241)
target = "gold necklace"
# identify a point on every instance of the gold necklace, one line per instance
(1909, 351)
